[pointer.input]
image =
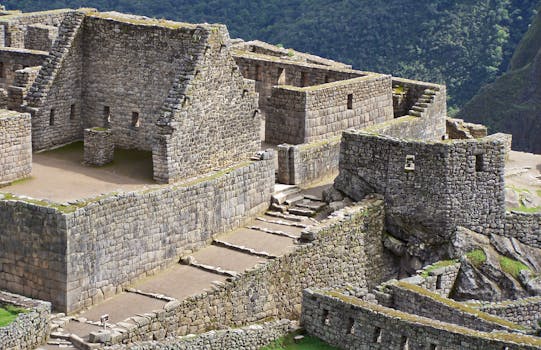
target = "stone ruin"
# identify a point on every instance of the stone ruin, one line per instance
(223, 119)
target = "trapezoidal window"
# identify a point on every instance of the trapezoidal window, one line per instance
(106, 116)
(258, 73)
(479, 162)
(326, 320)
(135, 120)
(350, 101)
(2, 73)
(51, 117)
(404, 343)
(377, 335)
(350, 326)
(439, 282)
(281, 76)
(72, 112)
(304, 79)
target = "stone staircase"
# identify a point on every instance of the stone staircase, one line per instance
(266, 237)
(423, 102)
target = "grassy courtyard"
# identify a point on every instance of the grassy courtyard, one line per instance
(8, 314)
(307, 343)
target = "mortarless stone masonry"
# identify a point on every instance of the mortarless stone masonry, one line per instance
(30, 329)
(99, 146)
(351, 323)
(15, 146)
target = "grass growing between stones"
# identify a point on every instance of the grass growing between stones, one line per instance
(477, 257)
(307, 343)
(8, 313)
(512, 267)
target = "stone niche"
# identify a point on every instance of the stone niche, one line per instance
(99, 146)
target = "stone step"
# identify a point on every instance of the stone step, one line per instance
(224, 259)
(294, 199)
(418, 108)
(302, 211)
(190, 260)
(274, 232)
(284, 193)
(282, 222)
(313, 198)
(313, 205)
(243, 249)
(415, 113)
(291, 217)
(278, 208)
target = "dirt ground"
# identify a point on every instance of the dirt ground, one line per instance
(60, 176)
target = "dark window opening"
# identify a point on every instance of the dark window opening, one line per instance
(439, 282)
(350, 101)
(106, 116)
(327, 79)
(351, 326)
(304, 79)
(326, 319)
(281, 76)
(404, 343)
(479, 162)
(377, 335)
(244, 92)
(2, 73)
(72, 112)
(51, 117)
(433, 347)
(258, 73)
(135, 121)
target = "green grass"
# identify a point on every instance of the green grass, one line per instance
(477, 257)
(8, 313)
(524, 209)
(438, 265)
(308, 343)
(512, 267)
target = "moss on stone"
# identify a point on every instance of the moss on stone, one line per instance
(512, 267)
(142, 21)
(477, 257)
(317, 144)
(438, 265)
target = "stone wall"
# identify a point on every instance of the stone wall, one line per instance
(40, 37)
(270, 71)
(347, 250)
(57, 89)
(13, 60)
(17, 93)
(304, 115)
(351, 323)
(33, 261)
(75, 255)
(252, 337)
(211, 119)
(15, 26)
(524, 311)
(115, 240)
(15, 146)
(99, 147)
(29, 329)
(308, 163)
(526, 227)
(429, 188)
(418, 301)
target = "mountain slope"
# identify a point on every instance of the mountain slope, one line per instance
(512, 104)
(463, 43)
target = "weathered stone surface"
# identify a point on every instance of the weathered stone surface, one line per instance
(15, 146)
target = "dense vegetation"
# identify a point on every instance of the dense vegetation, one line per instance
(463, 43)
(512, 103)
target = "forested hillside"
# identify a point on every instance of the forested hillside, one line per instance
(512, 103)
(462, 43)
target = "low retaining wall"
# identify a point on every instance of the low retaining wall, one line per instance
(29, 329)
(526, 311)
(307, 163)
(339, 256)
(526, 227)
(253, 337)
(351, 323)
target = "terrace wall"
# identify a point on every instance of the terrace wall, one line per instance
(351, 323)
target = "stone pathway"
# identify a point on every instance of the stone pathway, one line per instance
(266, 237)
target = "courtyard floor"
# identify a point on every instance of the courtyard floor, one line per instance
(60, 176)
